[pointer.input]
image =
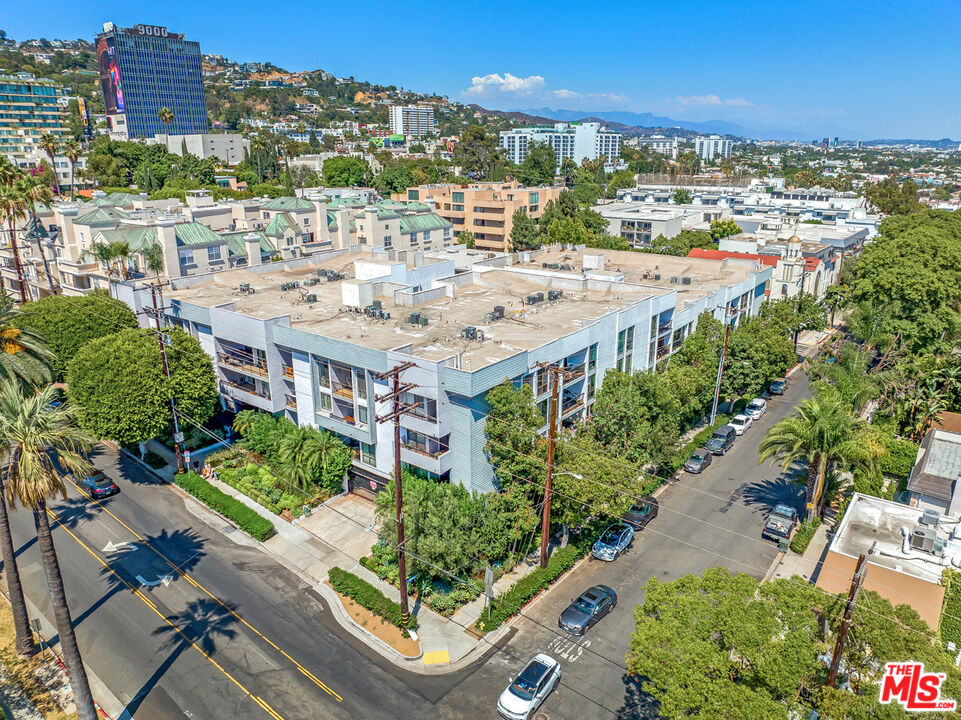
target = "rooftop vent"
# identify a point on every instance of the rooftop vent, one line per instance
(311, 298)
(498, 312)
(553, 295)
(931, 517)
(469, 332)
(686, 280)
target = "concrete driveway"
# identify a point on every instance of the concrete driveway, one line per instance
(707, 520)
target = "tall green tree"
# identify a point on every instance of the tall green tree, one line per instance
(477, 151)
(166, 116)
(724, 228)
(525, 233)
(51, 146)
(345, 171)
(681, 196)
(539, 166)
(43, 441)
(822, 434)
(119, 390)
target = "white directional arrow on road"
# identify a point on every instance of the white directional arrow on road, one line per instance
(165, 579)
(111, 546)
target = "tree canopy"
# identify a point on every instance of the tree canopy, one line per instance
(345, 171)
(117, 385)
(68, 323)
(539, 166)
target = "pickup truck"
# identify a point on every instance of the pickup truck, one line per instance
(781, 523)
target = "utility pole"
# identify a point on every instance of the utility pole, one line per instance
(156, 312)
(860, 571)
(720, 365)
(555, 372)
(398, 410)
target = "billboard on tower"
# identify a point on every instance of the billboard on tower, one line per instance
(109, 75)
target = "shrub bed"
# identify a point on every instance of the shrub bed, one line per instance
(509, 603)
(154, 460)
(259, 483)
(248, 520)
(369, 597)
(802, 538)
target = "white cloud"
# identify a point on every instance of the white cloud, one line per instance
(564, 94)
(506, 83)
(694, 100)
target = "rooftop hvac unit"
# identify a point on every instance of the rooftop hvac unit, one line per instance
(657, 276)
(566, 266)
(488, 318)
(532, 299)
(244, 287)
(686, 280)
(498, 312)
(423, 321)
(469, 332)
(311, 298)
(931, 517)
(923, 539)
(553, 295)
(540, 296)
(555, 266)
(310, 282)
(413, 318)
(675, 280)
(321, 273)
(545, 265)
(376, 304)
(386, 315)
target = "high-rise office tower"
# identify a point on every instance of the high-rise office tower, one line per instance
(145, 68)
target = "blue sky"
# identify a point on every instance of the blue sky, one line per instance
(858, 69)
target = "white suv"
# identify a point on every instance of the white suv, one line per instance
(529, 689)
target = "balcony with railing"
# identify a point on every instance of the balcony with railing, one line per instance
(427, 452)
(574, 373)
(572, 403)
(290, 401)
(288, 372)
(243, 363)
(343, 392)
(249, 387)
(664, 327)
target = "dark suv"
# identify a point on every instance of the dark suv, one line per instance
(722, 440)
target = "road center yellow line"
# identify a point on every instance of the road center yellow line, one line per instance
(213, 597)
(136, 591)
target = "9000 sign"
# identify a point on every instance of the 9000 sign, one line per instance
(153, 30)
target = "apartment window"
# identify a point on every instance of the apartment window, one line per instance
(533, 209)
(306, 222)
(592, 358)
(446, 232)
(387, 241)
(542, 382)
(457, 197)
(325, 402)
(362, 414)
(361, 384)
(323, 374)
(186, 257)
(213, 254)
(534, 198)
(367, 454)
(458, 208)
(413, 195)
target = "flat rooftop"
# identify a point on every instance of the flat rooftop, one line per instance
(475, 293)
(645, 210)
(873, 521)
(643, 269)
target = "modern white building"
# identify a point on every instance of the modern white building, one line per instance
(227, 147)
(412, 120)
(709, 148)
(659, 144)
(574, 140)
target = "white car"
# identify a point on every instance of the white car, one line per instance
(740, 423)
(529, 689)
(756, 408)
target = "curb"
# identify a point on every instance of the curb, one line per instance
(775, 564)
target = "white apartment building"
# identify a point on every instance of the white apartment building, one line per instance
(569, 140)
(412, 120)
(709, 148)
(227, 147)
(659, 144)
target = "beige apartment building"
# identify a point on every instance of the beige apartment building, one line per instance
(485, 209)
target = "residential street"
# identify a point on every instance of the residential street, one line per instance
(282, 655)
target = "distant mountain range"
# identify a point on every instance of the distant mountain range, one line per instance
(719, 127)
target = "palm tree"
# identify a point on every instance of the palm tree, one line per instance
(849, 374)
(72, 152)
(166, 116)
(50, 145)
(13, 207)
(153, 258)
(36, 193)
(25, 358)
(822, 434)
(41, 440)
(925, 406)
(120, 251)
(258, 145)
(304, 454)
(245, 420)
(103, 254)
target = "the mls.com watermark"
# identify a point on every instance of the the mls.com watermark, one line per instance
(916, 690)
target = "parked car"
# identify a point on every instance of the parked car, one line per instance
(756, 408)
(641, 512)
(613, 542)
(778, 387)
(586, 610)
(780, 523)
(99, 486)
(699, 460)
(529, 689)
(722, 440)
(740, 423)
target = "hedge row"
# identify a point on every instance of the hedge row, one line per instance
(367, 596)
(950, 627)
(248, 520)
(802, 538)
(523, 591)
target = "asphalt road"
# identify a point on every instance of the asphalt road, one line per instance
(184, 621)
(704, 521)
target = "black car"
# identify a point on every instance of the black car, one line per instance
(99, 485)
(641, 513)
(586, 610)
(778, 387)
(699, 460)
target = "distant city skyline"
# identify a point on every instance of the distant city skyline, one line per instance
(855, 69)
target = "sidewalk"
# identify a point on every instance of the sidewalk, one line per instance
(338, 534)
(807, 565)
